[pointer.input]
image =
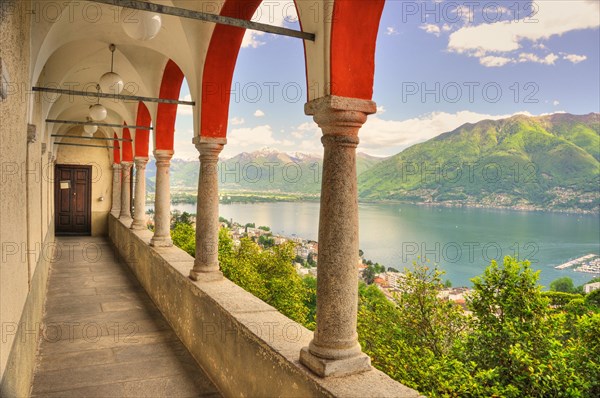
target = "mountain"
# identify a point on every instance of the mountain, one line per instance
(264, 170)
(521, 162)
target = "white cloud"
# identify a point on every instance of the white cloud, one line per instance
(549, 59)
(555, 103)
(236, 121)
(554, 18)
(387, 137)
(378, 136)
(391, 31)
(271, 13)
(492, 61)
(380, 109)
(248, 139)
(383, 137)
(182, 145)
(431, 28)
(467, 14)
(185, 110)
(574, 58)
(259, 113)
(308, 138)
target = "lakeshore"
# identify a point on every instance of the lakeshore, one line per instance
(233, 197)
(589, 263)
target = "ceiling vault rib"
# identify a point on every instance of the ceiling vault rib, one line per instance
(87, 145)
(120, 126)
(91, 138)
(111, 96)
(207, 17)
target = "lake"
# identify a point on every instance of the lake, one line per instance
(461, 240)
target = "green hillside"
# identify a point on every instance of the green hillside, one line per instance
(524, 162)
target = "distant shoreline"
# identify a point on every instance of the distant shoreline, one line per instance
(528, 209)
(255, 197)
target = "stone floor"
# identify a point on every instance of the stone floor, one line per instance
(103, 336)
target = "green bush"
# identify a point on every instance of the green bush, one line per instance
(514, 344)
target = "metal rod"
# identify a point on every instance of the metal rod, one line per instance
(88, 145)
(121, 126)
(91, 138)
(203, 16)
(112, 96)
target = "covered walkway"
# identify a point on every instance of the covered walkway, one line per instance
(103, 336)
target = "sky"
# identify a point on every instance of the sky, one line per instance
(439, 64)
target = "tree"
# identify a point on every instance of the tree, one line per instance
(592, 300)
(564, 284)
(267, 229)
(448, 283)
(266, 241)
(310, 283)
(184, 237)
(369, 275)
(428, 320)
(514, 341)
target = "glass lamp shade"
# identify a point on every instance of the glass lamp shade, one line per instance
(111, 83)
(89, 130)
(140, 25)
(98, 112)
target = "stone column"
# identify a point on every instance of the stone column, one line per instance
(50, 188)
(125, 213)
(334, 350)
(162, 200)
(139, 204)
(116, 190)
(206, 263)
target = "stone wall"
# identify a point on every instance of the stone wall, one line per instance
(246, 346)
(26, 232)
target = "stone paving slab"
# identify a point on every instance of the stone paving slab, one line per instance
(104, 337)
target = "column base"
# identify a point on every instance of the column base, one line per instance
(212, 276)
(138, 225)
(335, 367)
(161, 242)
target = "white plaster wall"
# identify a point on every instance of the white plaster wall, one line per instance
(13, 155)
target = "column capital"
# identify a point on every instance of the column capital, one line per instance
(116, 166)
(163, 155)
(126, 164)
(337, 103)
(140, 162)
(209, 147)
(340, 116)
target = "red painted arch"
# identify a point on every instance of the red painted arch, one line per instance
(354, 30)
(170, 88)
(220, 62)
(142, 136)
(127, 147)
(116, 150)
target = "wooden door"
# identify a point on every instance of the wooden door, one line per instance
(72, 195)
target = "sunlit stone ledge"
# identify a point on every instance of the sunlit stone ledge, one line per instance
(245, 346)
